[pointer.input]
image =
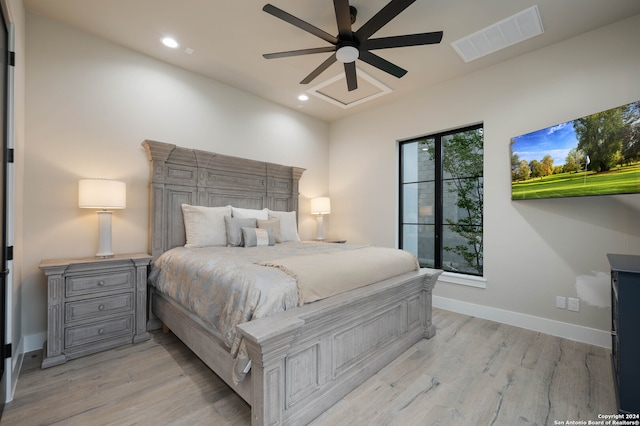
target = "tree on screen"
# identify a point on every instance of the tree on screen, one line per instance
(600, 137)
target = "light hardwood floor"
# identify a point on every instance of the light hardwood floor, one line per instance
(473, 372)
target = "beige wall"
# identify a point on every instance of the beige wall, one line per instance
(534, 250)
(89, 106)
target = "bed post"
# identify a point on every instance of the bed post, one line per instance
(296, 174)
(267, 351)
(430, 282)
(158, 154)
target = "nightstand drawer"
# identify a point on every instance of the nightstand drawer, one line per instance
(92, 308)
(75, 336)
(84, 284)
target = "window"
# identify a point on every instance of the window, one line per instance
(441, 199)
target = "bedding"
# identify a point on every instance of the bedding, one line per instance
(327, 274)
(272, 225)
(226, 286)
(253, 237)
(205, 226)
(234, 229)
(288, 225)
(262, 214)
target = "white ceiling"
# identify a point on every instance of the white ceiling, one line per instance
(228, 38)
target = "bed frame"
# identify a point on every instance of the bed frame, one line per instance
(303, 360)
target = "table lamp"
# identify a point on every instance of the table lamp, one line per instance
(320, 206)
(102, 194)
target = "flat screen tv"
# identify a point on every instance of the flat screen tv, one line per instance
(594, 155)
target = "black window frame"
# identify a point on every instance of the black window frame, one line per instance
(438, 192)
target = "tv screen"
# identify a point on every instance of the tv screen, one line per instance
(594, 155)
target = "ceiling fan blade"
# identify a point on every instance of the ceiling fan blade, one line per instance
(323, 66)
(403, 41)
(299, 52)
(343, 18)
(381, 18)
(287, 17)
(350, 73)
(382, 64)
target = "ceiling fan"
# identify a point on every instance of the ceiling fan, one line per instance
(350, 45)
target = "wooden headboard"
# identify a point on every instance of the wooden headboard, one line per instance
(189, 176)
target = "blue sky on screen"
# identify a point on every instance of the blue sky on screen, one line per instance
(556, 141)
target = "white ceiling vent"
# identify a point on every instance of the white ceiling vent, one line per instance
(335, 90)
(517, 28)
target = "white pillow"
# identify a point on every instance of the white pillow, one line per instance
(205, 226)
(288, 225)
(250, 213)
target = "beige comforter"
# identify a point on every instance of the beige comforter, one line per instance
(323, 275)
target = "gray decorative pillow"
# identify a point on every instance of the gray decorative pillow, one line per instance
(257, 237)
(234, 229)
(273, 226)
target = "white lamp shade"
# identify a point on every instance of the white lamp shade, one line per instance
(102, 194)
(320, 205)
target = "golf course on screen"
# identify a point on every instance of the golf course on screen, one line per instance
(594, 155)
(623, 180)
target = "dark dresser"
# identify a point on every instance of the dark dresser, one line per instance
(625, 330)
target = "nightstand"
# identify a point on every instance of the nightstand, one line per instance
(94, 304)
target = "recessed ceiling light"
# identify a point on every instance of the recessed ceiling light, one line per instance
(170, 42)
(303, 97)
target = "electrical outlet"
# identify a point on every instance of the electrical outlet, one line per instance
(561, 302)
(574, 304)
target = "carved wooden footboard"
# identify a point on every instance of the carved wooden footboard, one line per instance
(306, 359)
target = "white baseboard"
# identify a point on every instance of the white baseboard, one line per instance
(34, 342)
(12, 366)
(565, 330)
(16, 366)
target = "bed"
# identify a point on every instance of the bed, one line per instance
(301, 360)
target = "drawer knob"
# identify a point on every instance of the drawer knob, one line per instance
(101, 307)
(101, 331)
(101, 283)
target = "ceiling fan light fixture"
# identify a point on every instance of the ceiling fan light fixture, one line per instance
(347, 54)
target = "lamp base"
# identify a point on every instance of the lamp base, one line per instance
(104, 227)
(320, 237)
(104, 256)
